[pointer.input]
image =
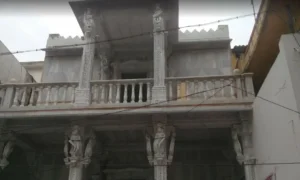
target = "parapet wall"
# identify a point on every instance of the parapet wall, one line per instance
(221, 33)
(57, 40)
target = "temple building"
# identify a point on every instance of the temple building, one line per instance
(134, 98)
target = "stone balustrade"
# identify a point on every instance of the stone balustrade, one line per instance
(235, 88)
(36, 94)
(121, 91)
(210, 87)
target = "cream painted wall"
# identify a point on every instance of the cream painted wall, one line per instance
(276, 130)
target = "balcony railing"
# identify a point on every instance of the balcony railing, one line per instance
(121, 91)
(211, 87)
(235, 88)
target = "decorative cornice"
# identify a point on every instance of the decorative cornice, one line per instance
(221, 33)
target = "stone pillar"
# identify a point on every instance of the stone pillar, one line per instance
(160, 43)
(81, 142)
(83, 92)
(158, 155)
(244, 152)
(246, 135)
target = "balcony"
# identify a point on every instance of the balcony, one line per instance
(206, 93)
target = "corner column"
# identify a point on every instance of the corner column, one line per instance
(244, 150)
(246, 135)
(158, 155)
(159, 37)
(78, 149)
(83, 91)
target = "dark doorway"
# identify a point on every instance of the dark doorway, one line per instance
(130, 94)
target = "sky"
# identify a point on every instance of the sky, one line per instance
(27, 25)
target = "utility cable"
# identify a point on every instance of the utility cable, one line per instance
(130, 37)
(119, 111)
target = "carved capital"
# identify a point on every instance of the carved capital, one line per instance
(79, 144)
(158, 154)
(7, 150)
(89, 24)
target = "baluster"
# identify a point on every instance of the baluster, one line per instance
(48, 95)
(196, 91)
(200, 89)
(95, 94)
(110, 91)
(148, 92)
(23, 99)
(102, 95)
(132, 93)
(40, 92)
(125, 93)
(2, 94)
(223, 88)
(16, 98)
(178, 91)
(73, 94)
(118, 93)
(57, 94)
(140, 92)
(214, 87)
(232, 93)
(205, 89)
(188, 93)
(31, 98)
(170, 91)
(65, 90)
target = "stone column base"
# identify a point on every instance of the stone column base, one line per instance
(82, 97)
(159, 94)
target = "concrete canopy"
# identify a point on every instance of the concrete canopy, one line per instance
(118, 19)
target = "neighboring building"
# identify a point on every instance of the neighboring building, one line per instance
(158, 106)
(35, 69)
(276, 121)
(274, 19)
(10, 68)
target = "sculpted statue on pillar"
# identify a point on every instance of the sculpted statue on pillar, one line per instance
(237, 145)
(158, 21)
(157, 154)
(7, 150)
(89, 24)
(77, 154)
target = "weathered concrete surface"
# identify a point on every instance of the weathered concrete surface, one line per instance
(276, 130)
(35, 69)
(203, 62)
(10, 68)
(66, 69)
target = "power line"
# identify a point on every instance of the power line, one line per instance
(130, 37)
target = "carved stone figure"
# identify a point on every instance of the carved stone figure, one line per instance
(76, 143)
(158, 19)
(237, 145)
(157, 154)
(6, 152)
(159, 145)
(89, 23)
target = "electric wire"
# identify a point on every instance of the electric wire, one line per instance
(132, 36)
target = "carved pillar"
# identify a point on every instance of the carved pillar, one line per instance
(83, 93)
(246, 135)
(78, 149)
(244, 152)
(6, 149)
(158, 155)
(159, 37)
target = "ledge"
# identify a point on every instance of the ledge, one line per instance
(122, 109)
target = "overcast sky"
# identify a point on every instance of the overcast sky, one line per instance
(25, 26)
